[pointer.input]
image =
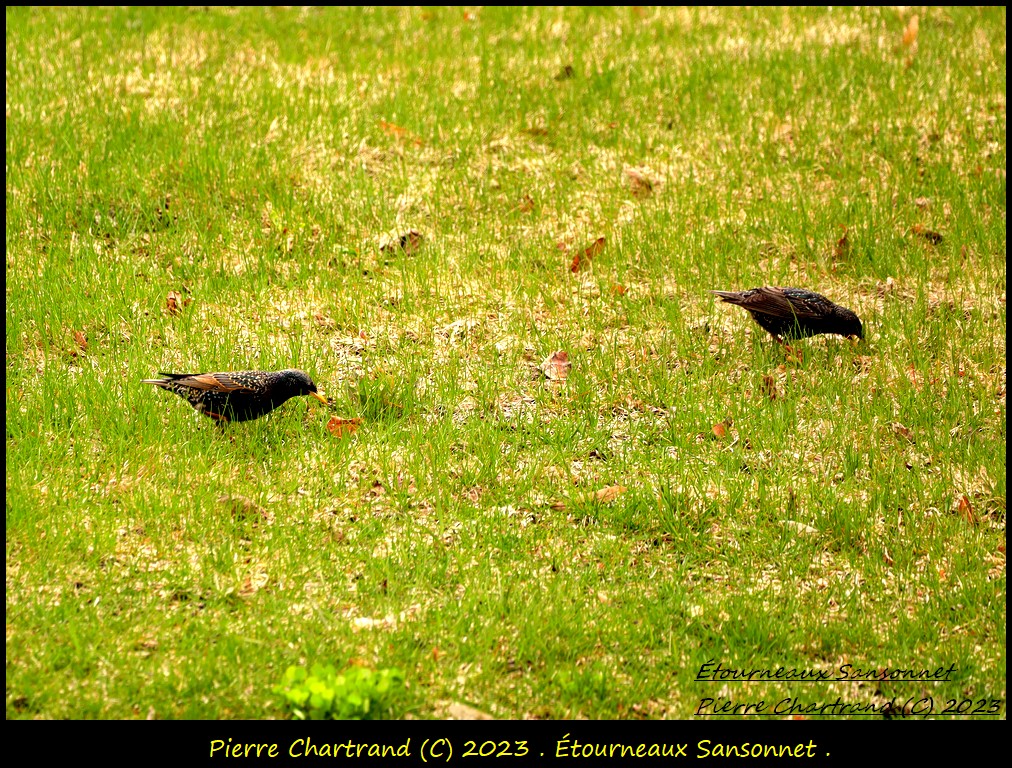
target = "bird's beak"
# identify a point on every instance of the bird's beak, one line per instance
(319, 397)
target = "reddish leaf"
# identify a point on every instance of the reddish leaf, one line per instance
(407, 242)
(557, 366)
(392, 130)
(603, 496)
(81, 340)
(770, 387)
(842, 247)
(587, 254)
(965, 509)
(910, 33)
(341, 427)
(931, 236)
(640, 184)
(610, 493)
(903, 431)
(175, 302)
(618, 290)
(719, 431)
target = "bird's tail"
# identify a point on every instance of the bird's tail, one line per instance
(169, 378)
(729, 296)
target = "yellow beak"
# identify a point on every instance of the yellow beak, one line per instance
(319, 397)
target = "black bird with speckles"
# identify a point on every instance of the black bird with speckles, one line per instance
(794, 313)
(238, 395)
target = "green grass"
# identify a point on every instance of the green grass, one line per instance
(255, 160)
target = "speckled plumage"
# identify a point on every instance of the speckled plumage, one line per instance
(238, 395)
(793, 313)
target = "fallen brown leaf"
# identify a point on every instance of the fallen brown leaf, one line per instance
(341, 427)
(565, 73)
(610, 493)
(175, 302)
(799, 527)
(584, 256)
(243, 508)
(399, 133)
(719, 431)
(557, 366)
(931, 236)
(965, 508)
(618, 290)
(323, 321)
(392, 130)
(770, 387)
(407, 242)
(903, 431)
(81, 340)
(842, 248)
(911, 30)
(640, 184)
(603, 496)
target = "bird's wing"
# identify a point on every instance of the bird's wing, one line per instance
(775, 302)
(213, 382)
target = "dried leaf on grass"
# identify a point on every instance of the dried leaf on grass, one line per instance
(175, 302)
(398, 132)
(842, 248)
(769, 387)
(930, 235)
(323, 321)
(392, 130)
(610, 493)
(583, 258)
(341, 427)
(408, 242)
(557, 366)
(640, 182)
(82, 343)
(799, 527)
(902, 431)
(911, 30)
(965, 509)
(243, 508)
(721, 428)
(602, 496)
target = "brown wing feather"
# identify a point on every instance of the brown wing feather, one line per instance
(772, 301)
(215, 382)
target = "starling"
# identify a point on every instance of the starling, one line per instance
(239, 395)
(794, 313)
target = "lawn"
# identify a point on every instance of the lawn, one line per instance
(419, 208)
